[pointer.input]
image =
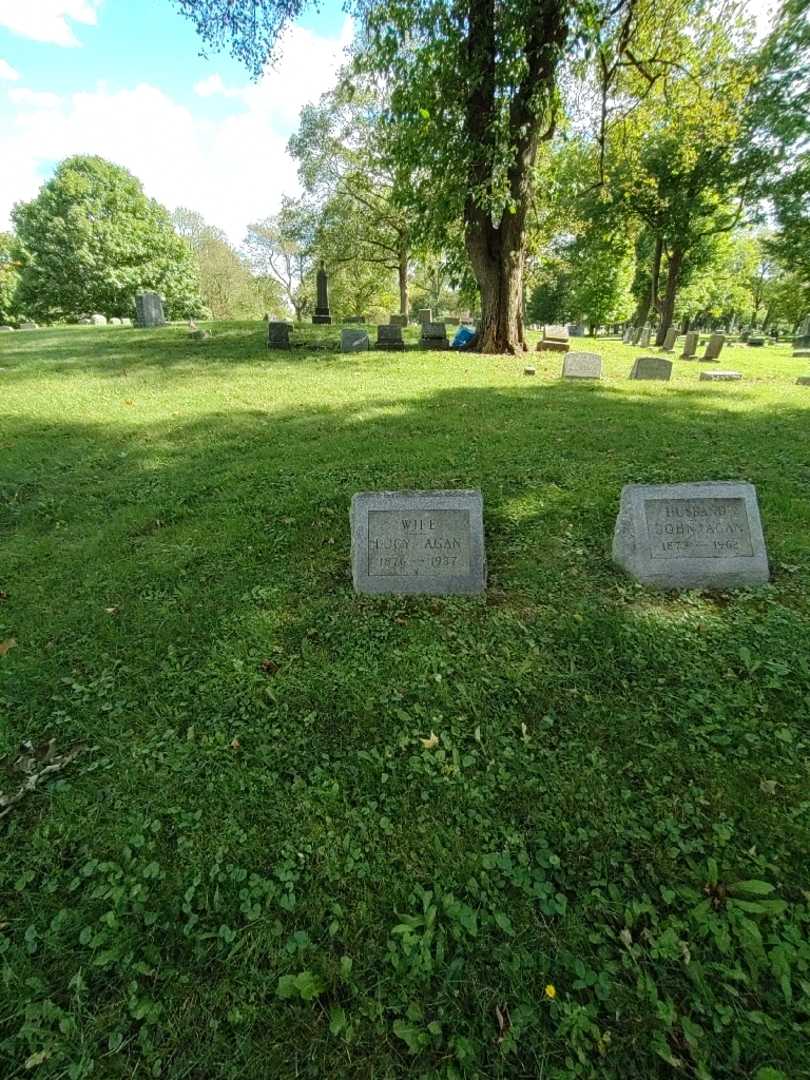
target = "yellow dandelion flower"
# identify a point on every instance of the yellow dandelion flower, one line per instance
(551, 991)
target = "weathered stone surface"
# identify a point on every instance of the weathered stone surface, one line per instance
(149, 310)
(29, 326)
(418, 542)
(720, 376)
(582, 365)
(644, 340)
(114, 321)
(126, 322)
(651, 367)
(635, 335)
(552, 346)
(800, 354)
(756, 342)
(322, 315)
(353, 341)
(389, 338)
(98, 320)
(398, 320)
(528, 370)
(670, 339)
(691, 536)
(357, 320)
(626, 336)
(434, 336)
(424, 315)
(278, 335)
(6, 329)
(555, 333)
(803, 380)
(690, 345)
(451, 320)
(714, 347)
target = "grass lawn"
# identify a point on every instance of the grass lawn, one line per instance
(254, 867)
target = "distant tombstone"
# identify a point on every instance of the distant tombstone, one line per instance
(29, 326)
(353, 341)
(720, 376)
(756, 342)
(529, 370)
(278, 335)
(626, 336)
(635, 336)
(555, 333)
(576, 330)
(690, 345)
(126, 322)
(6, 329)
(424, 315)
(669, 339)
(644, 341)
(322, 315)
(434, 336)
(357, 320)
(398, 320)
(452, 321)
(418, 542)
(582, 365)
(691, 536)
(798, 354)
(98, 320)
(714, 347)
(389, 338)
(803, 380)
(115, 321)
(553, 346)
(149, 310)
(652, 367)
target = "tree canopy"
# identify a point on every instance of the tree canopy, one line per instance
(91, 240)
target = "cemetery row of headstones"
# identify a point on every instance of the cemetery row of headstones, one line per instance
(433, 335)
(669, 536)
(587, 365)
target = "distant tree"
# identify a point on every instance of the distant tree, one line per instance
(229, 289)
(342, 163)
(91, 240)
(282, 247)
(9, 277)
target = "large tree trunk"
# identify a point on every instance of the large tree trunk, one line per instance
(673, 280)
(496, 255)
(496, 248)
(649, 301)
(403, 283)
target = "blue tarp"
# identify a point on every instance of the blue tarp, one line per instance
(463, 335)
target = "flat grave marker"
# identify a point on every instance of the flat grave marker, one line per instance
(691, 536)
(418, 542)
(353, 341)
(720, 376)
(582, 365)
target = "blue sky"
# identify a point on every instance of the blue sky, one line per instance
(124, 78)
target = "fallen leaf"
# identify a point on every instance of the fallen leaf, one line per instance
(767, 787)
(626, 938)
(6, 645)
(431, 743)
(235, 744)
(111, 610)
(504, 1022)
(269, 667)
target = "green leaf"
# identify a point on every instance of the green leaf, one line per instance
(751, 888)
(412, 1036)
(337, 1019)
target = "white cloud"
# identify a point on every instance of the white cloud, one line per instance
(7, 71)
(35, 98)
(46, 20)
(210, 86)
(233, 170)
